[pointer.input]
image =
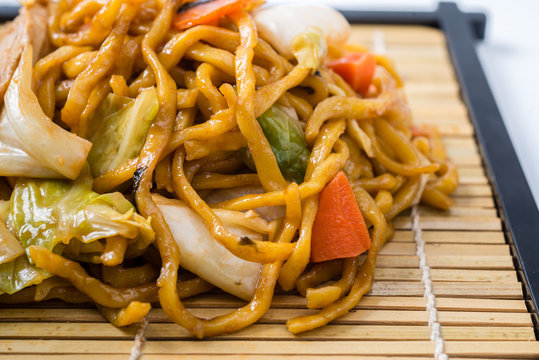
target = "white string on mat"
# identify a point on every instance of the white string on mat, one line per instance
(435, 334)
(136, 350)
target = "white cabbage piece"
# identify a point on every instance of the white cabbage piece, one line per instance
(31, 145)
(204, 256)
(281, 24)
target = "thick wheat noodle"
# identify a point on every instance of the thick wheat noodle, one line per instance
(186, 98)
(97, 95)
(100, 25)
(319, 273)
(56, 58)
(45, 92)
(268, 94)
(382, 182)
(221, 181)
(343, 107)
(120, 277)
(384, 200)
(212, 84)
(175, 49)
(243, 247)
(205, 75)
(230, 141)
(100, 293)
(263, 156)
(74, 66)
(394, 166)
(97, 70)
(114, 251)
(118, 85)
(326, 295)
(365, 275)
(321, 175)
(216, 125)
(263, 295)
(302, 106)
(223, 60)
(80, 11)
(134, 312)
(299, 259)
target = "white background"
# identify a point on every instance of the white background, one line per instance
(510, 58)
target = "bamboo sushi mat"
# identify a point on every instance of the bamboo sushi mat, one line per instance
(479, 299)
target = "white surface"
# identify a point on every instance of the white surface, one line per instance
(510, 58)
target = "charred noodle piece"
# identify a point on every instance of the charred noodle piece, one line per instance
(365, 275)
(100, 293)
(243, 247)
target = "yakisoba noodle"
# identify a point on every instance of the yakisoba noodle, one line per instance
(212, 82)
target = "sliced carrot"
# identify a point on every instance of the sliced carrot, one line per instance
(339, 230)
(357, 69)
(207, 12)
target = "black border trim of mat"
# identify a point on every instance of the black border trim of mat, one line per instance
(514, 198)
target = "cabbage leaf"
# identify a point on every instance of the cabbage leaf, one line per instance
(51, 213)
(31, 145)
(287, 140)
(310, 48)
(118, 129)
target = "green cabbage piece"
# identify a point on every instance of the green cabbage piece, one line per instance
(51, 213)
(18, 274)
(118, 129)
(287, 140)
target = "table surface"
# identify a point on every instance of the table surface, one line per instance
(509, 55)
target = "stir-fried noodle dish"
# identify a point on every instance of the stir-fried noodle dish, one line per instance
(154, 150)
